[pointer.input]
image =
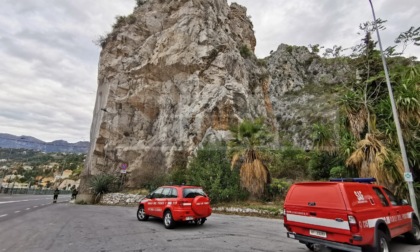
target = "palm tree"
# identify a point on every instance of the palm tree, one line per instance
(323, 137)
(248, 140)
(369, 157)
(356, 112)
(408, 96)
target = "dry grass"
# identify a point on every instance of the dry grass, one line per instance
(254, 176)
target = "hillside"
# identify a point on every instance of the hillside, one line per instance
(31, 143)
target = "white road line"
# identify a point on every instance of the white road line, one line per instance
(3, 215)
(35, 206)
(27, 209)
(14, 201)
(17, 211)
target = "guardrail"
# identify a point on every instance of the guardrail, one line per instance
(30, 191)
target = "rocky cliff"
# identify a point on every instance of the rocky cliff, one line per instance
(176, 73)
(171, 75)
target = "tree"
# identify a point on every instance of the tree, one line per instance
(368, 116)
(249, 138)
(323, 137)
(210, 168)
(412, 36)
(369, 157)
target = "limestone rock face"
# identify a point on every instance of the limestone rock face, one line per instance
(302, 90)
(171, 75)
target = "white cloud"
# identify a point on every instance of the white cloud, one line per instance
(48, 71)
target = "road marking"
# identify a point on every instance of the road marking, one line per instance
(5, 202)
(3, 215)
(27, 209)
(17, 211)
(35, 206)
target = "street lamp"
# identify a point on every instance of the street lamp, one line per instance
(407, 173)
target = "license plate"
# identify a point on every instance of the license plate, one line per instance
(318, 233)
(189, 218)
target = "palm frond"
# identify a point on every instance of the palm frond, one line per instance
(369, 157)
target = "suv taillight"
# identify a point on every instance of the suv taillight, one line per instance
(284, 215)
(354, 227)
(184, 203)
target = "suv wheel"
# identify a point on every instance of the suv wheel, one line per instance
(168, 221)
(413, 237)
(141, 216)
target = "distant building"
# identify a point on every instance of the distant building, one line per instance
(66, 174)
(45, 181)
(68, 183)
(27, 168)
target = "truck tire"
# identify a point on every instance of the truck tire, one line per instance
(381, 243)
(413, 237)
(310, 246)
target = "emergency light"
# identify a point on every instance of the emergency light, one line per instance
(359, 180)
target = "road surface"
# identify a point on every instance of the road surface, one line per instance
(69, 227)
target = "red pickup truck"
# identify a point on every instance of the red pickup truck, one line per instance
(349, 215)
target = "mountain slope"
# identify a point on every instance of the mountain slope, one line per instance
(28, 142)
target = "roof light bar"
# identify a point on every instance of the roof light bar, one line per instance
(359, 180)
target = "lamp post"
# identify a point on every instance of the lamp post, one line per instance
(396, 120)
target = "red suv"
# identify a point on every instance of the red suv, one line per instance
(175, 203)
(349, 216)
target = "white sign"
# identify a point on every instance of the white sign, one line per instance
(408, 177)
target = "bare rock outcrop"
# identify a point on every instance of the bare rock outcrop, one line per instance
(171, 75)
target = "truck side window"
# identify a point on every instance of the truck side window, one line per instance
(381, 196)
(394, 200)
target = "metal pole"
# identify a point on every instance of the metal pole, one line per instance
(396, 119)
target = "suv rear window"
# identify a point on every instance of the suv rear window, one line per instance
(192, 192)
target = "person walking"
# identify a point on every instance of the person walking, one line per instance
(74, 193)
(56, 193)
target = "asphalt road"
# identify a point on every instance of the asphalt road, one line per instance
(12, 206)
(68, 227)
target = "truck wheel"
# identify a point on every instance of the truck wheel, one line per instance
(413, 237)
(382, 243)
(310, 246)
(168, 221)
(141, 216)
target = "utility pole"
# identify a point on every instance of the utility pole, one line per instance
(407, 174)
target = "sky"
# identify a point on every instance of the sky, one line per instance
(49, 61)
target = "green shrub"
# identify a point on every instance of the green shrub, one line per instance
(321, 163)
(338, 172)
(277, 189)
(289, 162)
(140, 2)
(262, 62)
(210, 169)
(101, 184)
(245, 51)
